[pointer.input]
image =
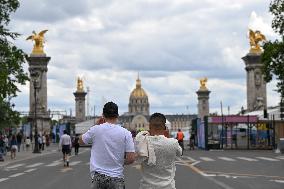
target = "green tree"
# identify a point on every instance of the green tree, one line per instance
(11, 65)
(273, 55)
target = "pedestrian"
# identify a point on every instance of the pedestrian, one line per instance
(76, 144)
(2, 148)
(191, 141)
(6, 140)
(43, 141)
(180, 137)
(112, 148)
(28, 143)
(39, 140)
(47, 140)
(65, 144)
(19, 140)
(13, 147)
(158, 154)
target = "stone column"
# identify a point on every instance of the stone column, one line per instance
(80, 105)
(38, 75)
(256, 86)
(203, 102)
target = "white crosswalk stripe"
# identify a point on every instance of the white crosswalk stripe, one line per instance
(55, 163)
(226, 159)
(206, 159)
(74, 163)
(247, 159)
(3, 179)
(188, 158)
(15, 166)
(280, 157)
(34, 165)
(268, 159)
(29, 170)
(17, 174)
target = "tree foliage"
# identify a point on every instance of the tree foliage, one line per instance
(12, 59)
(273, 55)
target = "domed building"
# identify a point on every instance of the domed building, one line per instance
(138, 109)
(137, 117)
(138, 100)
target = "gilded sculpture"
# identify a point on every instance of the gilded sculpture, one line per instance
(203, 82)
(80, 86)
(254, 39)
(38, 41)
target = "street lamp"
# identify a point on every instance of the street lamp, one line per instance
(35, 83)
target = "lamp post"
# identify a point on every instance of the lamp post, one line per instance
(35, 76)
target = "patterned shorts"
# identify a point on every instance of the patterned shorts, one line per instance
(101, 181)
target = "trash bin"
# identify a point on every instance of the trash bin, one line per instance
(281, 145)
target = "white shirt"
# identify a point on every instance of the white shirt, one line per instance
(109, 144)
(65, 140)
(161, 175)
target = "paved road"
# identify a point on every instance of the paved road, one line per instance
(196, 169)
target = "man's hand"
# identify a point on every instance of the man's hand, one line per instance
(81, 142)
(129, 158)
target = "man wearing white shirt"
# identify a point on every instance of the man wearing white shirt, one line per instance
(112, 148)
(66, 145)
(158, 169)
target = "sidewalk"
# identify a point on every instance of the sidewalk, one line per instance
(28, 154)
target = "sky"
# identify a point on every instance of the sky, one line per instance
(171, 44)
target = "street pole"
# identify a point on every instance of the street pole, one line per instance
(222, 130)
(36, 148)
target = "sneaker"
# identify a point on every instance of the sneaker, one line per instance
(67, 163)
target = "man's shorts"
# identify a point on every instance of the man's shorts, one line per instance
(66, 149)
(101, 181)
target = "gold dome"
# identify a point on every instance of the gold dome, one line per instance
(138, 92)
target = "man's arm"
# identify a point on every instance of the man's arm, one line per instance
(129, 158)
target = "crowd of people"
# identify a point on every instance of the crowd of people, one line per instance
(14, 143)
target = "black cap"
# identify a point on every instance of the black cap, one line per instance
(110, 110)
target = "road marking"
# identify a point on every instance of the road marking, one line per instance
(226, 159)
(74, 163)
(195, 163)
(206, 159)
(180, 163)
(189, 158)
(178, 159)
(268, 159)
(29, 170)
(279, 181)
(55, 163)
(280, 157)
(15, 166)
(245, 174)
(34, 165)
(88, 163)
(209, 177)
(3, 179)
(247, 159)
(66, 169)
(17, 174)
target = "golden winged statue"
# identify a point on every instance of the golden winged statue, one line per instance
(80, 86)
(254, 39)
(203, 82)
(38, 41)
